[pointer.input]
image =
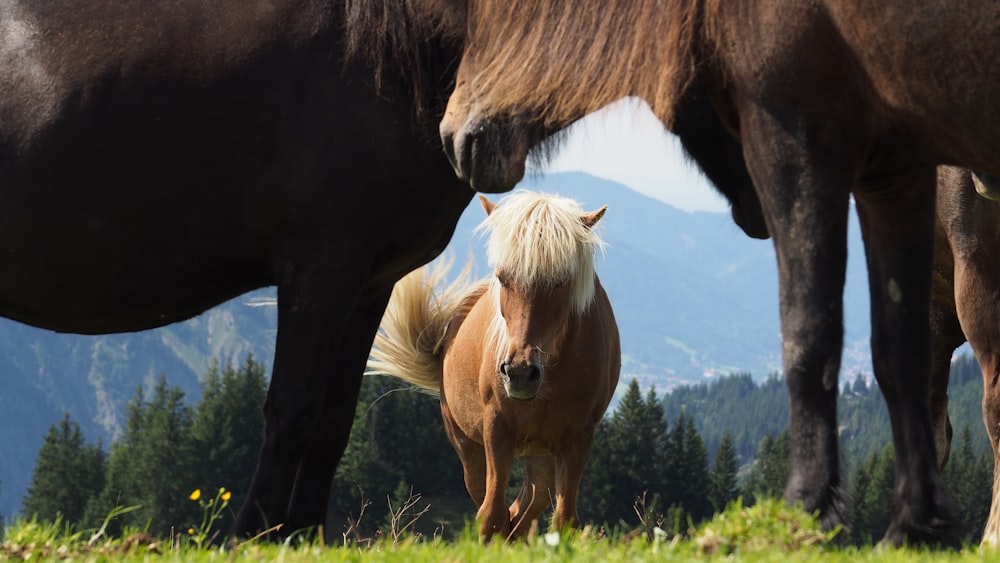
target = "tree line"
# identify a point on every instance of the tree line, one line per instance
(669, 461)
(166, 450)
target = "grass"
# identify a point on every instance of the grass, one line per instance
(767, 531)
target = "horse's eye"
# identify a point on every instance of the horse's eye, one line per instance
(504, 282)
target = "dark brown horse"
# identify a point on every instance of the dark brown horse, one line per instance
(824, 99)
(525, 361)
(160, 157)
(965, 306)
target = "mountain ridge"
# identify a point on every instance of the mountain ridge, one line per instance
(692, 294)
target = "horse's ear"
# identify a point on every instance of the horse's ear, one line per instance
(488, 206)
(591, 219)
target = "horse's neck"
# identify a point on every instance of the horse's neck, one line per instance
(466, 303)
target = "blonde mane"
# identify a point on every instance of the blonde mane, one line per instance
(540, 240)
(562, 60)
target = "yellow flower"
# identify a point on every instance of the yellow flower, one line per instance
(190, 531)
(195, 494)
(226, 496)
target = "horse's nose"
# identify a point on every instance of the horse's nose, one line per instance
(521, 381)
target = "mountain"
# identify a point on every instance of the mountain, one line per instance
(692, 294)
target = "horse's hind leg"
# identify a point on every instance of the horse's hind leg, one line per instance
(535, 496)
(990, 363)
(898, 242)
(471, 453)
(979, 309)
(946, 336)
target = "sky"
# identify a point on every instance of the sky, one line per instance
(625, 142)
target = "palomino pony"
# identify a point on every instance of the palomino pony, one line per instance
(160, 157)
(525, 362)
(965, 306)
(825, 99)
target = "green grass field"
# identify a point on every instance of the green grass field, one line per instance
(768, 531)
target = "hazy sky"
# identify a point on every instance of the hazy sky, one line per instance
(626, 143)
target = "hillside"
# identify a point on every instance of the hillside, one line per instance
(692, 294)
(693, 297)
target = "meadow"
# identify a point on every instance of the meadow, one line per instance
(767, 531)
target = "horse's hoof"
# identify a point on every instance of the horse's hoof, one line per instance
(939, 533)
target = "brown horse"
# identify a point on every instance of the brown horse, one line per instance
(158, 157)
(525, 362)
(826, 99)
(965, 306)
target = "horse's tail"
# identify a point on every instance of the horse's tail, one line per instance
(409, 340)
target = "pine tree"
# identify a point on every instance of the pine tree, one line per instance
(627, 461)
(228, 429)
(969, 478)
(67, 475)
(873, 485)
(770, 471)
(723, 487)
(152, 466)
(687, 469)
(397, 441)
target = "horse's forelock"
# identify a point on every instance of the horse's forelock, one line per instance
(539, 239)
(563, 60)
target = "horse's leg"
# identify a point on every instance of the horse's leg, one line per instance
(569, 472)
(471, 453)
(979, 309)
(989, 361)
(946, 336)
(899, 239)
(535, 495)
(493, 516)
(310, 496)
(311, 316)
(806, 205)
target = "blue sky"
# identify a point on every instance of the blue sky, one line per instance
(624, 142)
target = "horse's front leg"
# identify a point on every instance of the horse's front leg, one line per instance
(897, 220)
(314, 307)
(310, 497)
(493, 516)
(805, 202)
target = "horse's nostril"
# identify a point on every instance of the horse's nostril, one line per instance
(534, 374)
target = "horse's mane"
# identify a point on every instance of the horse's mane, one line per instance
(394, 36)
(581, 55)
(539, 240)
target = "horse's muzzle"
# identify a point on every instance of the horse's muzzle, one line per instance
(521, 381)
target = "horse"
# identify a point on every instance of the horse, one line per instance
(965, 305)
(158, 158)
(826, 100)
(525, 362)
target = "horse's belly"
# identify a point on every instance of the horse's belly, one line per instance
(69, 278)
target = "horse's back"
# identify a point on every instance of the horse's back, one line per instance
(158, 158)
(930, 66)
(916, 75)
